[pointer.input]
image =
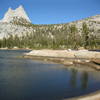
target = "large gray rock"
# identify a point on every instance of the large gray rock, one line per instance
(18, 13)
(87, 54)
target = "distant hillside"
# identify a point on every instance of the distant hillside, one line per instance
(16, 26)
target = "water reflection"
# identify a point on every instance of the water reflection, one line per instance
(84, 80)
(75, 76)
(23, 79)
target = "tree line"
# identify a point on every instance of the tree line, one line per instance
(50, 37)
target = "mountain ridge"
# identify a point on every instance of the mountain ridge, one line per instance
(18, 13)
(58, 34)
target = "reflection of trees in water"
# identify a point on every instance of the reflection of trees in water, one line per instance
(73, 79)
(84, 80)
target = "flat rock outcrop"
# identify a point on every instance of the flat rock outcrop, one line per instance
(87, 54)
(51, 53)
(65, 53)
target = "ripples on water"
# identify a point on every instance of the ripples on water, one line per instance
(23, 79)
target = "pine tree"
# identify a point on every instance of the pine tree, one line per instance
(85, 36)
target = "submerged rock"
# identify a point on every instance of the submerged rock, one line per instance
(68, 63)
(96, 61)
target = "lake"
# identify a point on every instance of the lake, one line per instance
(25, 79)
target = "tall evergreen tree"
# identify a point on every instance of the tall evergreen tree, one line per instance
(85, 36)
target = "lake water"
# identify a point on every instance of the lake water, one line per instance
(24, 79)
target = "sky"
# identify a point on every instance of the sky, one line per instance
(53, 11)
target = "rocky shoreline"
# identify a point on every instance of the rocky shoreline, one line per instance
(82, 54)
(15, 48)
(91, 96)
(68, 58)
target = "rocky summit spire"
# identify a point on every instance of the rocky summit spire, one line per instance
(21, 7)
(18, 13)
(21, 12)
(9, 9)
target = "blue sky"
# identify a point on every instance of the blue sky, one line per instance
(53, 11)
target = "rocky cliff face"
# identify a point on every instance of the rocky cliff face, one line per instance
(92, 22)
(17, 14)
(16, 22)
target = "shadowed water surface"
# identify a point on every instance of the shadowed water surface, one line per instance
(23, 79)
